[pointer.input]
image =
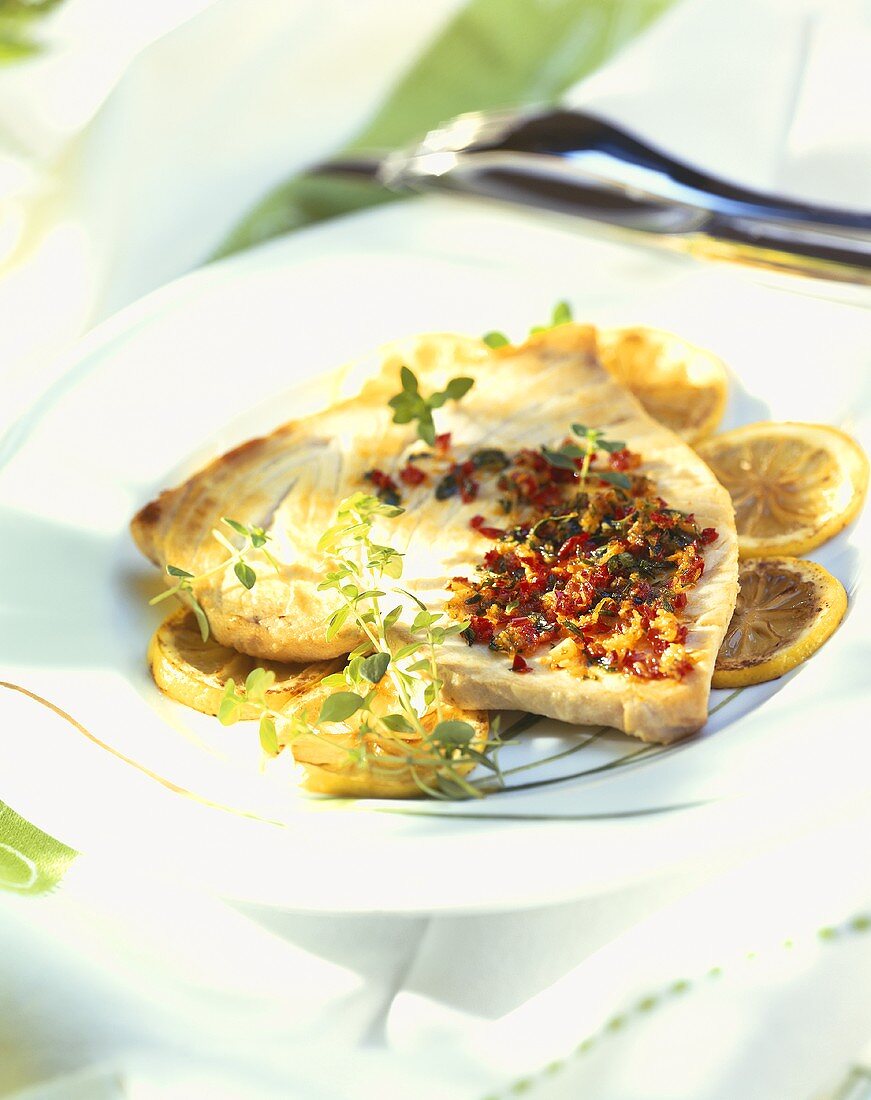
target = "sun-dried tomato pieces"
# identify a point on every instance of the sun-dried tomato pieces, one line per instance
(607, 569)
(385, 487)
(589, 554)
(479, 524)
(412, 475)
(572, 546)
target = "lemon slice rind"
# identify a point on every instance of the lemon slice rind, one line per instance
(680, 385)
(849, 473)
(195, 673)
(829, 605)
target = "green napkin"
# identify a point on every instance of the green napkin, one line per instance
(31, 861)
(492, 54)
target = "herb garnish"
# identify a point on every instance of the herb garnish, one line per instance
(410, 404)
(443, 747)
(562, 315)
(255, 539)
(566, 457)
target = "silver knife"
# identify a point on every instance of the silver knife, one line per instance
(574, 163)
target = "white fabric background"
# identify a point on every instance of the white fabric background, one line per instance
(126, 154)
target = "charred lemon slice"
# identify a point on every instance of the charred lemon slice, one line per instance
(793, 486)
(346, 763)
(681, 386)
(195, 672)
(786, 609)
(340, 761)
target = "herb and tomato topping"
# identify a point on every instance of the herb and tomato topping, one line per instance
(588, 562)
(596, 572)
(600, 586)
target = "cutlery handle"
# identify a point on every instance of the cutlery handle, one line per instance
(574, 163)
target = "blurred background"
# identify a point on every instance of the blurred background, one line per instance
(136, 146)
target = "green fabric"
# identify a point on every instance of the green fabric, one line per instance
(17, 19)
(31, 861)
(494, 53)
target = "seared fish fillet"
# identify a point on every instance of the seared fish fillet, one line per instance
(290, 482)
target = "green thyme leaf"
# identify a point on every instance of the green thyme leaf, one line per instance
(621, 480)
(397, 723)
(560, 458)
(562, 314)
(409, 404)
(624, 561)
(423, 620)
(480, 758)
(257, 683)
(174, 571)
(456, 389)
(392, 617)
(268, 736)
(240, 528)
(245, 573)
(336, 679)
(402, 413)
(453, 733)
(336, 621)
(374, 667)
(228, 710)
(200, 615)
(426, 428)
(338, 707)
(161, 596)
(610, 445)
(496, 340)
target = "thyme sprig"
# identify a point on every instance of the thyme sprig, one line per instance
(413, 706)
(561, 315)
(592, 439)
(255, 539)
(410, 404)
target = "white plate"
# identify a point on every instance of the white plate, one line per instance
(237, 348)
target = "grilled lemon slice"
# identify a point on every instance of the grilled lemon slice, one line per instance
(786, 609)
(680, 385)
(793, 486)
(195, 672)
